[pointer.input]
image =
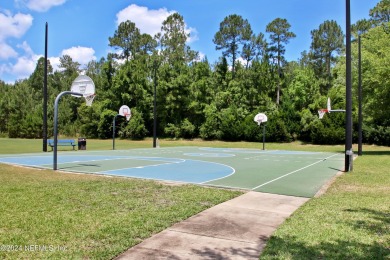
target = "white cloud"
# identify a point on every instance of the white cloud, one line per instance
(27, 62)
(200, 57)
(4, 68)
(14, 26)
(82, 55)
(193, 34)
(40, 5)
(55, 63)
(149, 21)
(7, 51)
(27, 49)
(24, 66)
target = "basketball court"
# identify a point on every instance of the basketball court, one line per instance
(295, 173)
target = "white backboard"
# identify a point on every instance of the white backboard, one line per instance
(84, 85)
(260, 118)
(124, 110)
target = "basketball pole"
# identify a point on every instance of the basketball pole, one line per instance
(155, 105)
(263, 136)
(348, 81)
(113, 132)
(56, 123)
(44, 130)
(360, 134)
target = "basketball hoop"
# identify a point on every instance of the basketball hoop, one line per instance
(260, 118)
(322, 112)
(83, 85)
(125, 111)
(89, 99)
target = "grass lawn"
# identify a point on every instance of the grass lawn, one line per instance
(89, 216)
(350, 221)
(53, 215)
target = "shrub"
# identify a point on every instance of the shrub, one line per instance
(135, 128)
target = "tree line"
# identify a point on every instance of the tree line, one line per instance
(196, 99)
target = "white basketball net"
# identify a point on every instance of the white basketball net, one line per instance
(89, 99)
(127, 116)
(321, 113)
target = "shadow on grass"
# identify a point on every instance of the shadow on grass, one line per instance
(376, 152)
(336, 249)
(376, 223)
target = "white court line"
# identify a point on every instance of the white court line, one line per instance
(268, 182)
(233, 172)
(146, 166)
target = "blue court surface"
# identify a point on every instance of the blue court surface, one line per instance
(295, 173)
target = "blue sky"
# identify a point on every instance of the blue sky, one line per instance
(81, 28)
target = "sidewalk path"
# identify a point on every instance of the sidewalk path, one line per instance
(236, 229)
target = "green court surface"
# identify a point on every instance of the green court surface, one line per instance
(295, 173)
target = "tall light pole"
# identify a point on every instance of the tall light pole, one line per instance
(44, 130)
(360, 134)
(348, 83)
(154, 104)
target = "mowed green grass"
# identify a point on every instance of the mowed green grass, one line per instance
(54, 215)
(350, 221)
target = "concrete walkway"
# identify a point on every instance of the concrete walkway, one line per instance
(235, 229)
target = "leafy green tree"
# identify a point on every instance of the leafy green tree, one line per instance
(174, 81)
(255, 48)
(201, 92)
(36, 78)
(376, 83)
(234, 31)
(71, 68)
(126, 38)
(135, 128)
(198, 99)
(25, 114)
(221, 74)
(89, 118)
(211, 128)
(303, 88)
(380, 14)
(174, 39)
(280, 35)
(362, 26)
(326, 40)
(5, 97)
(187, 129)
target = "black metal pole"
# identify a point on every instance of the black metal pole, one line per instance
(113, 132)
(44, 130)
(154, 106)
(348, 81)
(56, 123)
(360, 130)
(263, 136)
